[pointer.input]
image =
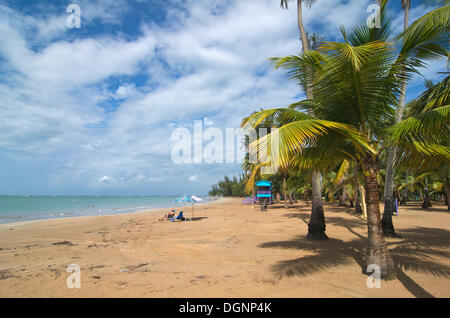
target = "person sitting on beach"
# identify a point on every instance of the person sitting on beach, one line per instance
(168, 216)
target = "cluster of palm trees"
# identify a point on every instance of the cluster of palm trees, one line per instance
(354, 119)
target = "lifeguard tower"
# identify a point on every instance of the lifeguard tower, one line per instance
(264, 192)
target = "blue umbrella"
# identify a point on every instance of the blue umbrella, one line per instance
(183, 199)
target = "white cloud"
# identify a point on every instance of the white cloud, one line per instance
(193, 178)
(106, 180)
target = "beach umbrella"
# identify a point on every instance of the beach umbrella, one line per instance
(183, 199)
(194, 200)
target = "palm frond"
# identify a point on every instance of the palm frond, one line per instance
(343, 169)
(425, 127)
(436, 18)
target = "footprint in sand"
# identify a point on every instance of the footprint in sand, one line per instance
(96, 266)
(55, 271)
(67, 243)
(6, 273)
(133, 268)
(233, 240)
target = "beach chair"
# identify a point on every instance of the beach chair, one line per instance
(248, 200)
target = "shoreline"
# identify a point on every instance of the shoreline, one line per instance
(133, 211)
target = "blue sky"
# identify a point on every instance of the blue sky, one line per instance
(92, 110)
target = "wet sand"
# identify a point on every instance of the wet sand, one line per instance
(228, 250)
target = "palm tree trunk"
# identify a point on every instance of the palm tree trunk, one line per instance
(355, 190)
(305, 43)
(303, 36)
(426, 201)
(406, 6)
(386, 222)
(316, 225)
(447, 182)
(343, 195)
(377, 253)
(407, 187)
(253, 194)
(284, 191)
(363, 200)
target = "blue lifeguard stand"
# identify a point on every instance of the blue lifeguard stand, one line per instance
(264, 191)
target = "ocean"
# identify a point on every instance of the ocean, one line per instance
(14, 208)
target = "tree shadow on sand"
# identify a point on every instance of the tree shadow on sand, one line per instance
(277, 206)
(414, 252)
(418, 208)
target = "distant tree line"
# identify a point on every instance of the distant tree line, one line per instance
(227, 187)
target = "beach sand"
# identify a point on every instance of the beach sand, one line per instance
(228, 250)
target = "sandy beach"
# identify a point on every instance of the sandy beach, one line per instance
(228, 250)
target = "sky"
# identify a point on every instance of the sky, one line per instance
(92, 110)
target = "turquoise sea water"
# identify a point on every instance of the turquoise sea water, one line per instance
(24, 208)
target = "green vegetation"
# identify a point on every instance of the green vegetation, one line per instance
(229, 188)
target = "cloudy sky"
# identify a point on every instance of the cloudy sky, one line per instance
(91, 110)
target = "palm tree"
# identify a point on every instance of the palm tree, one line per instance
(348, 175)
(312, 132)
(389, 207)
(316, 226)
(437, 19)
(425, 134)
(336, 64)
